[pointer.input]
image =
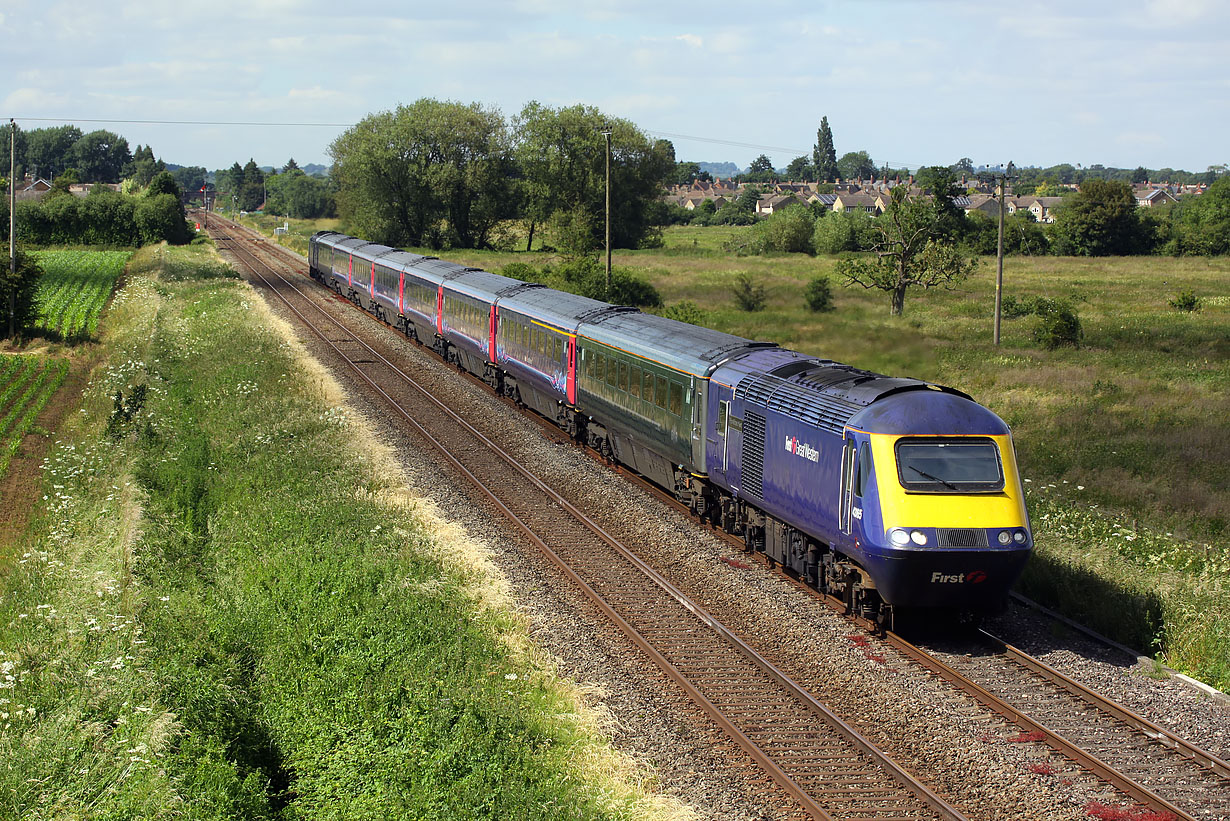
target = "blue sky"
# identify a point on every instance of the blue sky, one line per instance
(912, 82)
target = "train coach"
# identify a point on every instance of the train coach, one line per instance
(893, 494)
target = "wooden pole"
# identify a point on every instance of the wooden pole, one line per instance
(12, 229)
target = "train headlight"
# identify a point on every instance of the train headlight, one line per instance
(1004, 538)
(1019, 537)
(898, 537)
(918, 537)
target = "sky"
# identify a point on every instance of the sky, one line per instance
(1122, 83)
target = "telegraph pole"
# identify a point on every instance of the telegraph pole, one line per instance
(12, 229)
(606, 131)
(999, 257)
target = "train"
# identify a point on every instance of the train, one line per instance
(893, 494)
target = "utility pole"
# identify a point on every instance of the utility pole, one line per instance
(12, 229)
(999, 257)
(606, 131)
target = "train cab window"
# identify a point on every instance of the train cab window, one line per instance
(965, 465)
(864, 470)
(676, 398)
(634, 385)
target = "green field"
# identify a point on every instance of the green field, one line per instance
(1124, 442)
(75, 287)
(228, 610)
(27, 383)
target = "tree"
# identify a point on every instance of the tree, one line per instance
(687, 173)
(963, 166)
(824, 155)
(298, 195)
(760, 164)
(800, 168)
(100, 156)
(190, 178)
(48, 151)
(1100, 220)
(907, 253)
(944, 188)
(1201, 225)
(291, 165)
(561, 156)
(856, 165)
(251, 190)
(22, 287)
(430, 173)
(1141, 174)
(161, 217)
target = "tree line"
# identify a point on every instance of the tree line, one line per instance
(449, 174)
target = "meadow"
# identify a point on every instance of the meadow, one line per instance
(75, 287)
(1124, 441)
(225, 610)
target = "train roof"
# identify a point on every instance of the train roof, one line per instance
(559, 308)
(480, 284)
(822, 392)
(678, 345)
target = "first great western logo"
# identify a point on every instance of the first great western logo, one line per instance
(802, 449)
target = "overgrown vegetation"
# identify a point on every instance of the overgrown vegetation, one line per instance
(229, 611)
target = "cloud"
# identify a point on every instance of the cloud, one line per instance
(692, 40)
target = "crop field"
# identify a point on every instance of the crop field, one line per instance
(74, 289)
(26, 384)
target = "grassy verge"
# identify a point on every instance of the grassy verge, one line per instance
(1138, 417)
(230, 610)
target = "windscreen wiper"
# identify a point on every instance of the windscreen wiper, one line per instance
(926, 475)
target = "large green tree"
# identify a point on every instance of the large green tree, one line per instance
(909, 251)
(251, 188)
(48, 151)
(101, 156)
(824, 155)
(856, 165)
(1100, 220)
(1201, 225)
(561, 157)
(430, 173)
(19, 294)
(298, 195)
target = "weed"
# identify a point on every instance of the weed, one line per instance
(1186, 301)
(749, 294)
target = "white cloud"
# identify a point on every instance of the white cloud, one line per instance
(692, 40)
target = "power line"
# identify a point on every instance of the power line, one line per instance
(182, 122)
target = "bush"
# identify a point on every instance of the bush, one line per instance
(1058, 325)
(522, 271)
(1186, 301)
(819, 294)
(686, 311)
(1011, 308)
(843, 231)
(749, 295)
(787, 231)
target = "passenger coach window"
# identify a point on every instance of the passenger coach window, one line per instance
(623, 376)
(659, 397)
(965, 465)
(676, 399)
(636, 381)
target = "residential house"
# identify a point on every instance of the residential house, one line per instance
(1154, 197)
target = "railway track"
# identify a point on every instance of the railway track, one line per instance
(1156, 770)
(826, 766)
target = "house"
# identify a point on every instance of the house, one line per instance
(32, 189)
(776, 202)
(980, 202)
(1041, 207)
(858, 202)
(1154, 197)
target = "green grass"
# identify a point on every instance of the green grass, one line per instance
(1138, 417)
(75, 286)
(228, 610)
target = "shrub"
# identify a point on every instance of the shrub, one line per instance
(749, 295)
(522, 271)
(1011, 308)
(1186, 301)
(843, 231)
(787, 231)
(686, 311)
(819, 294)
(1058, 325)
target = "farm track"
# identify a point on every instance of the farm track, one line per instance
(1194, 783)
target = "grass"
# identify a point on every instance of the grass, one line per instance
(227, 609)
(1137, 418)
